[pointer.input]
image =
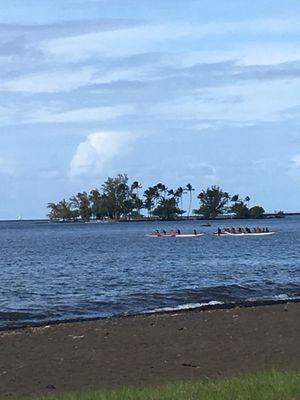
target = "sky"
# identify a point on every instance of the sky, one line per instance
(195, 91)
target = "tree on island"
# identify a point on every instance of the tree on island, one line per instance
(256, 212)
(167, 209)
(190, 189)
(161, 190)
(213, 202)
(98, 204)
(150, 195)
(179, 192)
(138, 203)
(81, 202)
(240, 210)
(118, 196)
(247, 200)
(62, 211)
(234, 198)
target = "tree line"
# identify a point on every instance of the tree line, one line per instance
(117, 199)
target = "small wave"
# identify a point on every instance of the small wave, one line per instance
(8, 317)
(282, 297)
(16, 315)
(279, 297)
(187, 306)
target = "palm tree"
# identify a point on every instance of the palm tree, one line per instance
(190, 188)
(161, 189)
(213, 202)
(53, 214)
(82, 203)
(247, 200)
(136, 186)
(150, 195)
(156, 193)
(138, 203)
(234, 198)
(65, 212)
(179, 193)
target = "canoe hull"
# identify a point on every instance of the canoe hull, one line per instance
(249, 234)
(183, 235)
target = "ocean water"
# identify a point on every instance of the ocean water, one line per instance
(51, 272)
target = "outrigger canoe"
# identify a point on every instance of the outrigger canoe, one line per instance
(246, 234)
(176, 235)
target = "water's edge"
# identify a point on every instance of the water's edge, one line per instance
(206, 307)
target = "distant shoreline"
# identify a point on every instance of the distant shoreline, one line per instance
(151, 219)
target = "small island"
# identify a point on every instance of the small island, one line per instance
(120, 200)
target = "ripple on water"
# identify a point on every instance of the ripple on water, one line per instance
(67, 271)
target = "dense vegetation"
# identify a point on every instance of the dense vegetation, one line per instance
(266, 386)
(118, 199)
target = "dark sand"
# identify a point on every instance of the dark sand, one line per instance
(146, 350)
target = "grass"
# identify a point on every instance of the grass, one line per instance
(264, 386)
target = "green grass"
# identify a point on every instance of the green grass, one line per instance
(265, 386)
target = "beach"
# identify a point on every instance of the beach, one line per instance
(148, 350)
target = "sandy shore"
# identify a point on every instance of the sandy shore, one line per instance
(146, 350)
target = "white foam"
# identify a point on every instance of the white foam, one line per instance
(187, 306)
(275, 297)
(285, 297)
(281, 297)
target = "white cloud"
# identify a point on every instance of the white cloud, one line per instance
(90, 114)
(244, 54)
(217, 124)
(137, 39)
(30, 114)
(96, 151)
(296, 161)
(243, 103)
(112, 43)
(267, 53)
(52, 81)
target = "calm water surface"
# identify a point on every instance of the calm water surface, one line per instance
(65, 271)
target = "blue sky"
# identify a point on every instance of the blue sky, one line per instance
(206, 92)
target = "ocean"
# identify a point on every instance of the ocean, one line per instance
(56, 271)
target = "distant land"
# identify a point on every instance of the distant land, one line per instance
(151, 219)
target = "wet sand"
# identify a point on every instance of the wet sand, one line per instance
(147, 350)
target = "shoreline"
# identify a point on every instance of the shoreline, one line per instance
(147, 350)
(162, 311)
(266, 216)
